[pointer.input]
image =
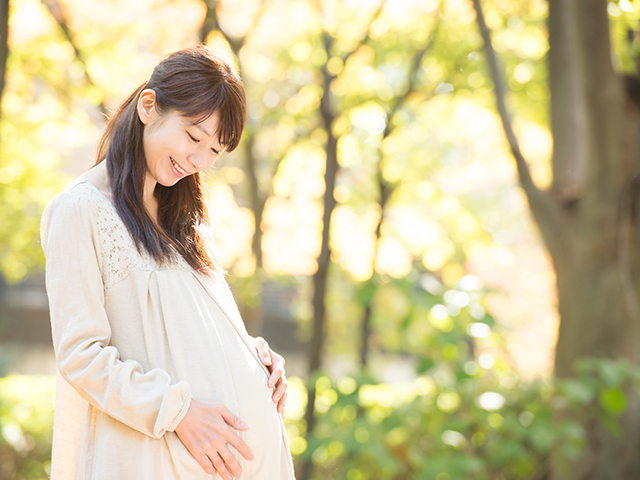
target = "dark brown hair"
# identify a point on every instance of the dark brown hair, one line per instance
(194, 83)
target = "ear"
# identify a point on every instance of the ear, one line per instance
(147, 109)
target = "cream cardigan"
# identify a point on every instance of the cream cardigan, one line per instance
(135, 341)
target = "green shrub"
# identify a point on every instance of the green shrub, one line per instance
(26, 426)
(447, 426)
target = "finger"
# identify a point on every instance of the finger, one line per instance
(242, 448)
(230, 460)
(232, 420)
(205, 463)
(278, 356)
(220, 466)
(276, 374)
(262, 347)
(282, 402)
(280, 390)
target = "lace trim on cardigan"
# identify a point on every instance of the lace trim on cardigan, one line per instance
(119, 255)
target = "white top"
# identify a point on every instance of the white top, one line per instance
(135, 341)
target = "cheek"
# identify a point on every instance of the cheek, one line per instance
(211, 162)
(166, 142)
(154, 144)
(150, 152)
(180, 145)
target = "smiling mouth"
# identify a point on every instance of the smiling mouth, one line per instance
(178, 167)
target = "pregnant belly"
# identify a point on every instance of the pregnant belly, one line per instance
(264, 437)
(211, 353)
(255, 406)
(242, 386)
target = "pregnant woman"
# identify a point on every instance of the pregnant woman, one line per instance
(157, 376)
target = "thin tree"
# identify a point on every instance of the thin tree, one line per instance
(320, 277)
(4, 44)
(57, 12)
(256, 192)
(385, 191)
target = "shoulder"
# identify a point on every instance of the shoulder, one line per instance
(70, 210)
(78, 194)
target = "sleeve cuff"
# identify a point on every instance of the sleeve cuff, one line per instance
(174, 408)
(181, 414)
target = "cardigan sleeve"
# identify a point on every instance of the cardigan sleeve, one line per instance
(146, 401)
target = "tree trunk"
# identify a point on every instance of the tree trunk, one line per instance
(385, 190)
(590, 299)
(567, 107)
(597, 293)
(588, 222)
(57, 12)
(257, 200)
(4, 44)
(316, 346)
(365, 326)
(594, 322)
(256, 197)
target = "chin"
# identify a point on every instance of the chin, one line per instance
(170, 183)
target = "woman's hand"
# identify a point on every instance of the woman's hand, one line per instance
(275, 364)
(205, 431)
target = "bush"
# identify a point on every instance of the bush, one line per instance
(449, 426)
(26, 426)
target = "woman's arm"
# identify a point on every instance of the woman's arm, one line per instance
(149, 402)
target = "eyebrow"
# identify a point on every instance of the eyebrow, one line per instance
(201, 128)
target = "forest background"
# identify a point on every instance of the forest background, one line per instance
(375, 182)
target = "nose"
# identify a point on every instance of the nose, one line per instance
(196, 161)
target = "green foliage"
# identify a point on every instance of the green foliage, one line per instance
(624, 35)
(447, 426)
(602, 389)
(467, 415)
(443, 425)
(26, 426)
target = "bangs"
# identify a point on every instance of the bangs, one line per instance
(229, 104)
(199, 84)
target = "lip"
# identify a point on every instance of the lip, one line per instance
(173, 168)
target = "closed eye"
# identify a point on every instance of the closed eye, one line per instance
(195, 140)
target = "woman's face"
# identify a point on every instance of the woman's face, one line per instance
(175, 147)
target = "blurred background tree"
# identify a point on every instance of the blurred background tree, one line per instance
(587, 217)
(372, 210)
